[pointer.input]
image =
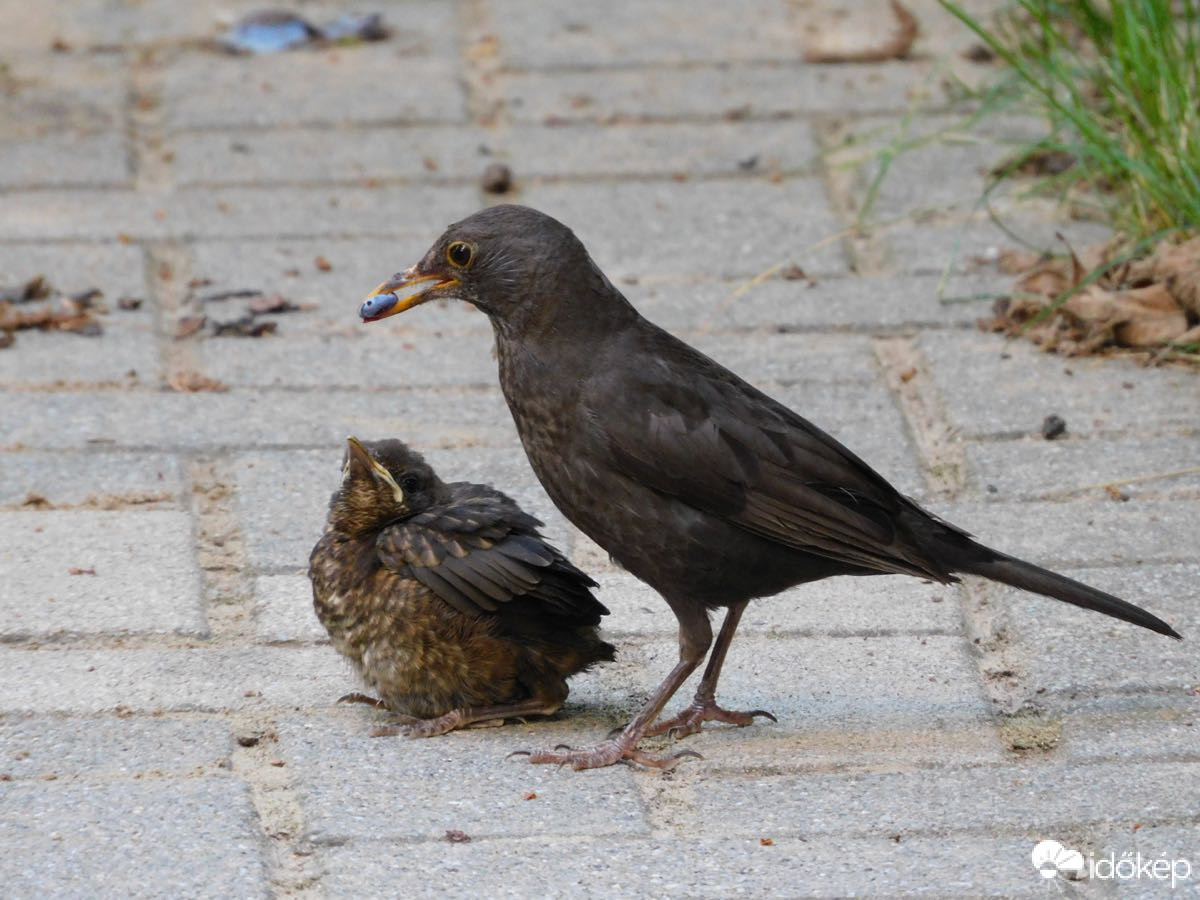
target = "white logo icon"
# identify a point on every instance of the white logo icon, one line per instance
(1050, 858)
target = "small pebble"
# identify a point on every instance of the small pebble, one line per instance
(1053, 427)
(497, 179)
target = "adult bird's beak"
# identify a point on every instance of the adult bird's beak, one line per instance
(402, 292)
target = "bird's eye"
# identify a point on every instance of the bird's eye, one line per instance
(410, 483)
(459, 254)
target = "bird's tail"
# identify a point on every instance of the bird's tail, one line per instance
(979, 560)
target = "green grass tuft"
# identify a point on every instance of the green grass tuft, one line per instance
(1119, 85)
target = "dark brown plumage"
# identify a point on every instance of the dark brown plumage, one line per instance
(448, 602)
(693, 480)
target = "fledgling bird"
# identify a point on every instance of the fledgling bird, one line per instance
(447, 600)
(696, 482)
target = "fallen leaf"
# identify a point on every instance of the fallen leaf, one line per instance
(322, 263)
(454, 836)
(189, 325)
(530, 796)
(767, 842)
(246, 326)
(193, 383)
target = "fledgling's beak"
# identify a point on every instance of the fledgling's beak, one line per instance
(402, 292)
(360, 455)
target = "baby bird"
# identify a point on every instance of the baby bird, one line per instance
(447, 600)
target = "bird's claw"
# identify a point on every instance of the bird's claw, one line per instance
(356, 697)
(688, 721)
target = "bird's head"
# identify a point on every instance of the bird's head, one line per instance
(517, 265)
(382, 482)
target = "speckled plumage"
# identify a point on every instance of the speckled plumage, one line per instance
(446, 599)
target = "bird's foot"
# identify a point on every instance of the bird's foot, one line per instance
(604, 754)
(414, 728)
(688, 721)
(356, 697)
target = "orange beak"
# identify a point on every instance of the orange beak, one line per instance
(402, 292)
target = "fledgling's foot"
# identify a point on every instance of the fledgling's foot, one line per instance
(408, 726)
(604, 754)
(689, 719)
(356, 697)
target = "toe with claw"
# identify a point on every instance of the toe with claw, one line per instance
(689, 720)
(606, 753)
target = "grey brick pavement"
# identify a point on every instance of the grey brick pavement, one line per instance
(168, 725)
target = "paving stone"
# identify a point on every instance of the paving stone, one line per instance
(283, 497)
(375, 355)
(68, 160)
(114, 840)
(835, 606)
(1067, 649)
(442, 152)
(254, 212)
(829, 683)
(955, 241)
(128, 343)
(731, 92)
(69, 479)
(859, 304)
(59, 94)
(1034, 467)
(283, 610)
(349, 783)
(687, 867)
(40, 746)
(1133, 727)
(231, 213)
(171, 421)
(116, 269)
(202, 90)
(59, 358)
(733, 228)
(91, 572)
(996, 387)
(1025, 798)
(563, 34)
(1063, 534)
(89, 681)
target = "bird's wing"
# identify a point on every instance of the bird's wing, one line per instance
(684, 426)
(479, 552)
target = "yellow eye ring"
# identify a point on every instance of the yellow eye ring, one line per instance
(460, 254)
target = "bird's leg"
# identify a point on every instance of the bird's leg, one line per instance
(704, 706)
(468, 716)
(695, 636)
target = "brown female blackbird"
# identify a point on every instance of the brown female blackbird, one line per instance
(693, 480)
(445, 598)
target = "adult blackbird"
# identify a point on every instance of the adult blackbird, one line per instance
(445, 598)
(697, 483)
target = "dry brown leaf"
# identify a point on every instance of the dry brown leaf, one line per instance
(1143, 317)
(834, 46)
(1179, 266)
(194, 382)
